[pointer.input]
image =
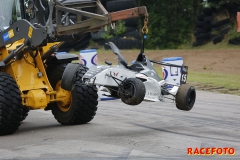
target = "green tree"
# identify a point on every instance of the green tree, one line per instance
(171, 22)
(218, 3)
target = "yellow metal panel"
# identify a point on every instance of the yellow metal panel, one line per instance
(3, 53)
(10, 33)
(15, 44)
(31, 77)
(26, 75)
(48, 46)
(36, 99)
(30, 32)
(63, 98)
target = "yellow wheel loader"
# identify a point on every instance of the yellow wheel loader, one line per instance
(31, 72)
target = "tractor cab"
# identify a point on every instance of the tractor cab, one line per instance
(10, 12)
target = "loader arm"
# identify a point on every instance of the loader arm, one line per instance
(22, 29)
(66, 18)
(88, 21)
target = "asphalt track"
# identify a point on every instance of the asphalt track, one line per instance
(148, 131)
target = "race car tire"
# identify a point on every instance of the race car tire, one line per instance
(70, 75)
(11, 109)
(132, 91)
(83, 100)
(185, 97)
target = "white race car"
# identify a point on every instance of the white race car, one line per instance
(136, 82)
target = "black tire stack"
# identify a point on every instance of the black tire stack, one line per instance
(235, 41)
(223, 21)
(220, 29)
(76, 45)
(204, 27)
(213, 24)
(131, 39)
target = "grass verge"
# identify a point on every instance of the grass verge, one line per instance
(227, 81)
(215, 82)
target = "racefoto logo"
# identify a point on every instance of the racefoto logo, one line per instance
(211, 151)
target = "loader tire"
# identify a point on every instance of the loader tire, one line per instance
(72, 73)
(25, 112)
(185, 97)
(10, 105)
(132, 91)
(83, 100)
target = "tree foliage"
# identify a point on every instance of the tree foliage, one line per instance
(171, 22)
(218, 3)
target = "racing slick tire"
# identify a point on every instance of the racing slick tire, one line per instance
(185, 97)
(11, 109)
(132, 91)
(81, 105)
(73, 72)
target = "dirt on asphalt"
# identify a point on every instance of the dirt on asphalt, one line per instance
(224, 61)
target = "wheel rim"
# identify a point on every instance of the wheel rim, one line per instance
(64, 98)
(128, 90)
